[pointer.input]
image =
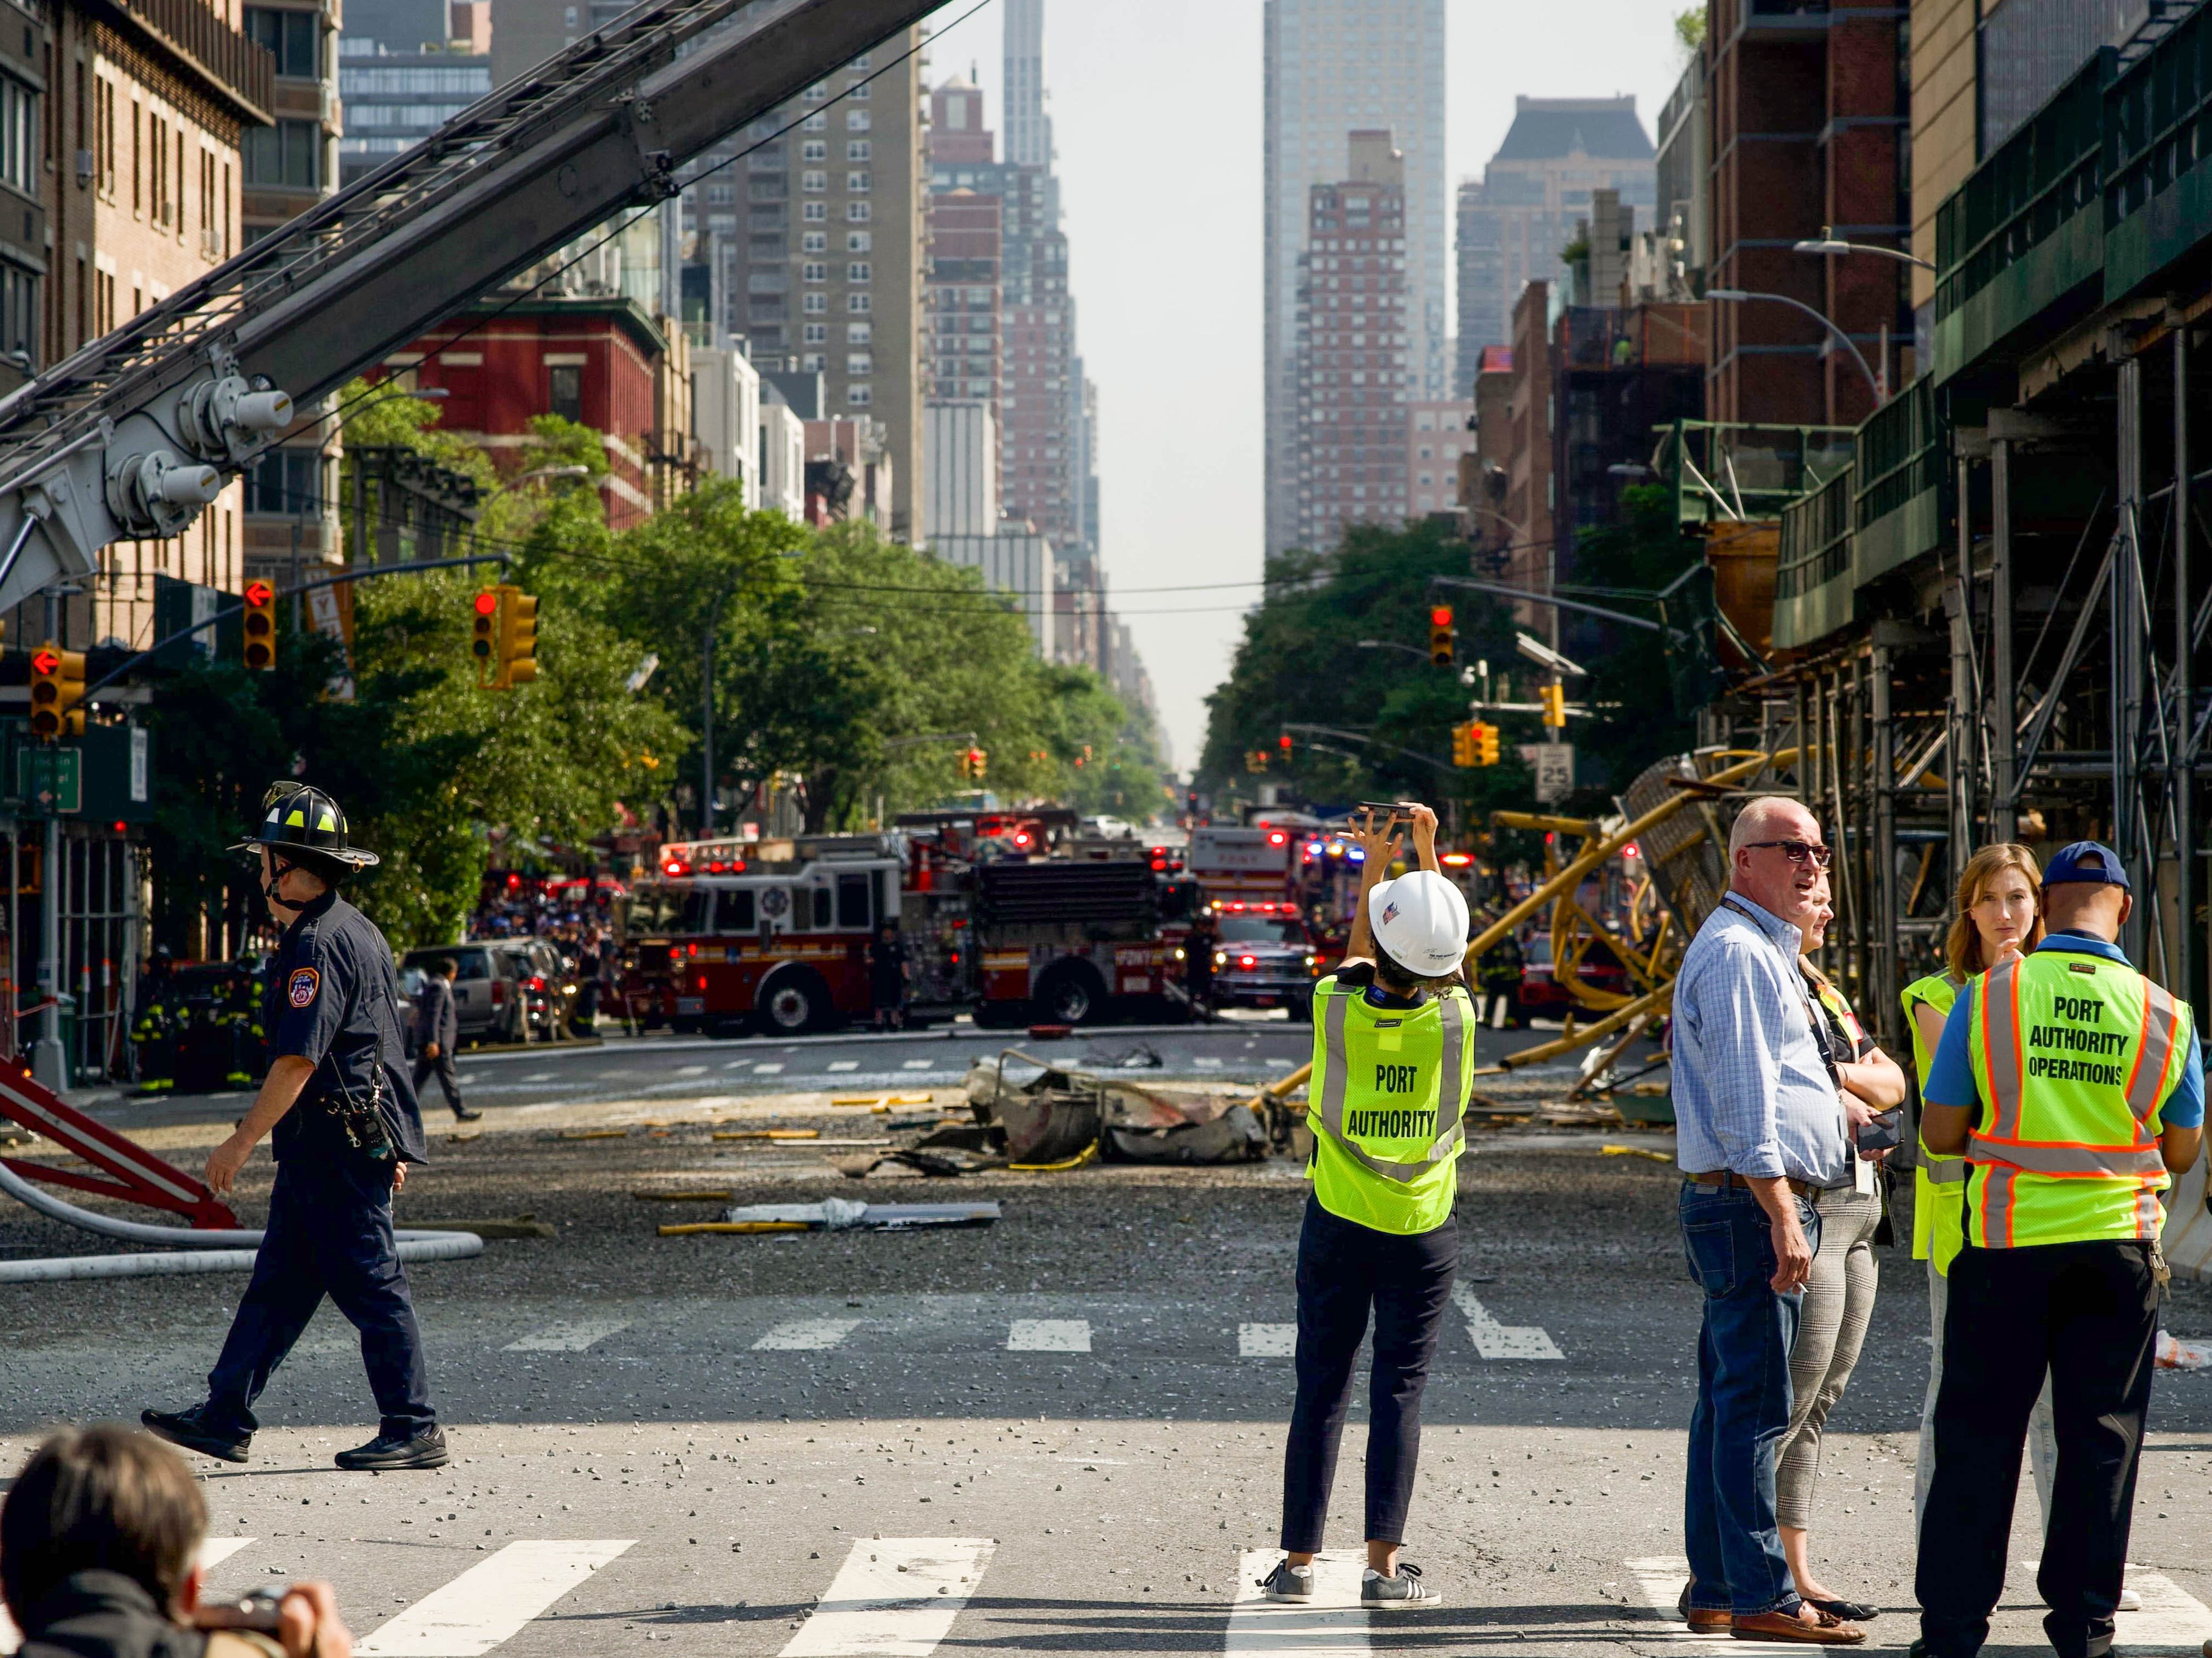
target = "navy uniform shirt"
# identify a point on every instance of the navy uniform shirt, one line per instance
(333, 998)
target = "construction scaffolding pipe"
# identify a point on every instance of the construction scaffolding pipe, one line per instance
(217, 1252)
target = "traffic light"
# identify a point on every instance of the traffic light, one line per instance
(973, 764)
(57, 693)
(1257, 760)
(1440, 635)
(518, 637)
(1486, 744)
(483, 633)
(1283, 744)
(1554, 697)
(260, 625)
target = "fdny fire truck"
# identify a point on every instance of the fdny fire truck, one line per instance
(766, 936)
(1079, 940)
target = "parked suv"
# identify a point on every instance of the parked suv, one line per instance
(1263, 956)
(490, 994)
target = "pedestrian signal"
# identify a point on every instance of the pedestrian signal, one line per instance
(260, 627)
(518, 637)
(483, 633)
(57, 693)
(1440, 635)
(1555, 705)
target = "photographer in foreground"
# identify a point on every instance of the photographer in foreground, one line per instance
(1394, 1060)
(98, 1540)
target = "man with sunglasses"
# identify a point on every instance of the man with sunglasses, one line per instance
(1760, 1132)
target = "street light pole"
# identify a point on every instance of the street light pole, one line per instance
(1739, 295)
(1831, 247)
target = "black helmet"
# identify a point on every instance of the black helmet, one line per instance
(296, 817)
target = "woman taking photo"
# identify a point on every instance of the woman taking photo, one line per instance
(1839, 1294)
(1997, 914)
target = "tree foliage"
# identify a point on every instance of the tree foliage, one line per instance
(1390, 715)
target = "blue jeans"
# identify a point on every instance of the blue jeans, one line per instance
(1743, 1400)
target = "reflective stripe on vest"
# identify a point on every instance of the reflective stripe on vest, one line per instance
(1450, 1126)
(1944, 1171)
(2001, 1046)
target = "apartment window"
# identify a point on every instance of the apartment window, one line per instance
(417, 81)
(859, 394)
(859, 242)
(720, 192)
(814, 273)
(289, 153)
(565, 391)
(19, 136)
(859, 150)
(817, 333)
(861, 90)
(290, 37)
(860, 333)
(859, 363)
(137, 162)
(814, 241)
(860, 271)
(814, 150)
(858, 120)
(103, 287)
(815, 305)
(857, 184)
(860, 65)
(859, 304)
(818, 122)
(857, 213)
(818, 93)
(19, 313)
(285, 482)
(814, 362)
(814, 180)
(814, 212)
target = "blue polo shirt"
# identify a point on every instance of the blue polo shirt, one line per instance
(1951, 1076)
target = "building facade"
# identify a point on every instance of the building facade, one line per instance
(1437, 435)
(1352, 407)
(1515, 221)
(811, 243)
(1332, 68)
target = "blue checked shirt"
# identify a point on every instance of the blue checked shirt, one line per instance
(1751, 1092)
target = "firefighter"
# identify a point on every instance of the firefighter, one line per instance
(341, 1105)
(1497, 970)
(155, 1027)
(1198, 964)
(239, 1013)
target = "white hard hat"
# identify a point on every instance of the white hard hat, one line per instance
(1421, 920)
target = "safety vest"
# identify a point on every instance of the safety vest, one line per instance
(2074, 1055)
(1390, 1091)
(1939, 1184)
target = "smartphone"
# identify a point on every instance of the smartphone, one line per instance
(1884, 1132)
(255, 1610)
(1387, 805)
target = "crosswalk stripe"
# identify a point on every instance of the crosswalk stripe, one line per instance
(569, 1338)
(1495, 1340)
(768, 1069)
(213, 1551)
(807, 1335)
(918, 1065)
(2171, 1619)
(893, 1594)
(1267, 1340)
(844, 1065)
(1333, 1624)
(1049, 1335)
(490, 1602)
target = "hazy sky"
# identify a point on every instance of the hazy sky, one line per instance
(1156, 107)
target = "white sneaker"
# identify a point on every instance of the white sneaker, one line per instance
(2130, 1601)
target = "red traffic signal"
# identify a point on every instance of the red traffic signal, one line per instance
(258, 593)
(260, 624)
(1440, 616)
(44, 660)
(487, 603)
(1440, 635)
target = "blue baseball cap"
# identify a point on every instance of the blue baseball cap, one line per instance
(2085, 861)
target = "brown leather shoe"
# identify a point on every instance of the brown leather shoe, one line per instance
(1808, 1625)
(1709, 1620)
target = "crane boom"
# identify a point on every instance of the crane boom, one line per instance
(134, 434)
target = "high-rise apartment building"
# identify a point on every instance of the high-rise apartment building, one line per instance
(1334, 67)
(406, 67)
(811, 243)
(1514, 220)
(1349, 414)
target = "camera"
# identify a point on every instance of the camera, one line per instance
(256, 1609)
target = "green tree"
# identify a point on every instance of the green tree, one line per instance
(1645, 551)
(1389, 716)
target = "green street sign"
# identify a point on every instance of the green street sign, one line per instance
(49, 779)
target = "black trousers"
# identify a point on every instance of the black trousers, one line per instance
(1343, 1269)
(2088, 1313)
(443, 1068)
(330, 1233)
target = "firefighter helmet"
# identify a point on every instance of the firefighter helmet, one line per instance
(297, 817)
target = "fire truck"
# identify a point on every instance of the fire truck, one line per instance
(1079, 940)
(765, 935)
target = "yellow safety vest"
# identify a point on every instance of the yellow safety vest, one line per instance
(1390, 1093)
(2074, 1056)
(1939, 1184)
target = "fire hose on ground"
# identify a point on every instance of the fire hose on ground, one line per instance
(217, 1251)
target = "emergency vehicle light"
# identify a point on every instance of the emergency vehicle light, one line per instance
(1247, 961)
(1277, 838)
(1457, 859)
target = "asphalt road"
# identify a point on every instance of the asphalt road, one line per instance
(1061, 1434)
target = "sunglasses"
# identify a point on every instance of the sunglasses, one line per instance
(1798, 851)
